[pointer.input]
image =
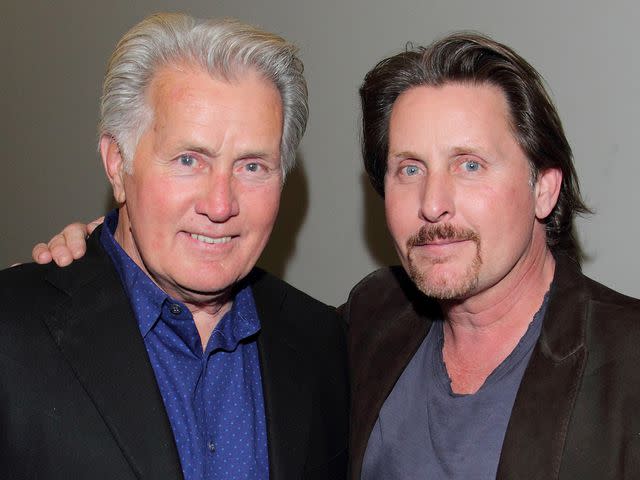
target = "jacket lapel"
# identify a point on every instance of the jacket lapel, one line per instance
(382, 345)
(371, 389)
(97, 333)
(284, 379)
(537, 429)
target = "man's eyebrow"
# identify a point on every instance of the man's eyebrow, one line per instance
(213, 154)
(465, 149)
(404, 154)
(199, 149)
(255, 154)
(460, 149)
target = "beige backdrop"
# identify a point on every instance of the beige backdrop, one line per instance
(331, 231)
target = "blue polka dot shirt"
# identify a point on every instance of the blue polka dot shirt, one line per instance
(213, 398)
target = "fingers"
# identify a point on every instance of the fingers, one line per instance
(63, 248)
(70, 243)
(67, 246)
(59, 249)
(92, 226)
(41, 253)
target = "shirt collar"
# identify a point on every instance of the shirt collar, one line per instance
(145, 296)
(147, 299)
(238, 324)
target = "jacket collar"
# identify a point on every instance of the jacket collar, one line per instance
(287, 394)
(387, 334)
(97, 333)
(537, 429)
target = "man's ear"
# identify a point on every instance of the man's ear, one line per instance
(547, 189)
(113, 166)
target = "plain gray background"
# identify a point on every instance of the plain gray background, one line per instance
(331, 230)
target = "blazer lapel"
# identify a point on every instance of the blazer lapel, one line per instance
(284, 378)
(380, 349)
(371, 389)
(537, 429)
(97, 333)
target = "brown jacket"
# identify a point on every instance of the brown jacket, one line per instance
(577, 412)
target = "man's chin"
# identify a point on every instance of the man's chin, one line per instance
(204, 294)
(443, 282)
(448, 291)
(200, 289)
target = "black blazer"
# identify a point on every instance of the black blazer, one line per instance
(79, 399)
(577, 411)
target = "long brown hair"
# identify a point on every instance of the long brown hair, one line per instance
(467, 57)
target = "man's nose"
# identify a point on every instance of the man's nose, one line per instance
(438, 195)
(218, 200)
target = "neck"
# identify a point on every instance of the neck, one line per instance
(207, 308)
(481, 331)
(206, 317)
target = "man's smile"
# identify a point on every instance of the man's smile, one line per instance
(206, 239)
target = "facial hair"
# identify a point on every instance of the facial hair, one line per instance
(441, 285)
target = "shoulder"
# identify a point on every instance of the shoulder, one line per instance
(25, 286)
(268, 288)
(613, 317)
(278, 301)
(27, 299)
(609, 320)
(384, 282)
(385, 292)
(603, 303)
(605, 297)
(36, 288)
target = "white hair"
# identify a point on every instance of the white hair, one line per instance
(221, 47)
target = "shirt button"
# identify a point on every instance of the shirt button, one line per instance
(211, 446)
(175, 309)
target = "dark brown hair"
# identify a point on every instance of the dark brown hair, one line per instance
(467, 57)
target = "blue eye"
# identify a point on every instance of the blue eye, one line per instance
(471, 166)
(187, 160)
(411, 170)
(252, 167)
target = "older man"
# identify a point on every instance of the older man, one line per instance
(164, 353)
(488, 355)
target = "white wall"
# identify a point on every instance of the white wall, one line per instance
(331, 231)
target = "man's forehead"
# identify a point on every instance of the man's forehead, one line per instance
(460, 114)
(194, 110)
(175, 80)
(457, 96)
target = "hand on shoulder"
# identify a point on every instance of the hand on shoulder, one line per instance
(68, 245)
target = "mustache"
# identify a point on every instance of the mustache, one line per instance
(441, 231)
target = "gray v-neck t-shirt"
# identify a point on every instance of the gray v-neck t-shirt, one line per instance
(425, 431)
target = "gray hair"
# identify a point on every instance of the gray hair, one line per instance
(219, 46)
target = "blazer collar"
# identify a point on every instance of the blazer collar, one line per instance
(383, 346)
(96, 331)
(287, 394)
(537, 429)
